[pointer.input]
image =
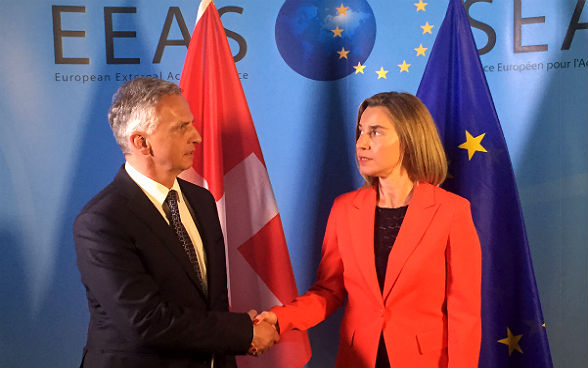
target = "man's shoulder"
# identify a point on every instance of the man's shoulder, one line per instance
(191, 189)
(104, 205)
(112, 197)
(106, 210)
(108, 196)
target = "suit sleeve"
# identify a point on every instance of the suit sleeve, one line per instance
(120, 288)
(328, 292)
(464, 282)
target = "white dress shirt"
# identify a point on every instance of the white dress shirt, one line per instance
(157, 193)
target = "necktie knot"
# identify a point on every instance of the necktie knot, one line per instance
(172, 198)
(172, 211)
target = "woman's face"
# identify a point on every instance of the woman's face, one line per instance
(378, 146)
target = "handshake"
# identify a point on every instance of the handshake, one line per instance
(265, 333)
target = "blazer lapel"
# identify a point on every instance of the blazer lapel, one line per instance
(145, 211)
(362, 224)
(420, 212)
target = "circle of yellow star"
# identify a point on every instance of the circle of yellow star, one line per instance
(359, 68)
(512, 341)
(337, 32)
(473, 144)
(427, 28)
(342, 10)
(404, 66)
(343, 53)
(420, 5)
(382, 73)
(420, 50)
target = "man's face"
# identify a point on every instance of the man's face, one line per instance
(172, 142)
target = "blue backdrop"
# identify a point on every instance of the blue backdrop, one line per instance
(305, 69)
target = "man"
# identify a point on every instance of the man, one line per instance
(151, 251)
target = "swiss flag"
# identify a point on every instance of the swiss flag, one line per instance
(230, 164)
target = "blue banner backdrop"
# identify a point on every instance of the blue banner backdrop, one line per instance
(305, 68)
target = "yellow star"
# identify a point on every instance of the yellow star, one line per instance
(404, 66)
(420, 5)
(359, 68)
(427, 28)
(512, 341)
(382, 73)
(342, 10)
(337, 32)
(473, 144)
(420, 50)
(543, 325)
(343, 53)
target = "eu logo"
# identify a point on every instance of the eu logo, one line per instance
(323, 39)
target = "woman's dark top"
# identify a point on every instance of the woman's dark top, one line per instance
(387, 225)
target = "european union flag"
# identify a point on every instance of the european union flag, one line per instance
(454, 89)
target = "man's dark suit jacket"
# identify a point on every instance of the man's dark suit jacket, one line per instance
(146, 306)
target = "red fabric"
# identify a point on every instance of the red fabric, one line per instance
(430, 307)
(269, 241)
(211, 85)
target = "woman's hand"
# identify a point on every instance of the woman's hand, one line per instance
(269, 317)
(266, 321)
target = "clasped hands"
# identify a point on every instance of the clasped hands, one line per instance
(265, 334)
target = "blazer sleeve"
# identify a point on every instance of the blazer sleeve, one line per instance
(464, 283)
(122, 288)
(328, 292)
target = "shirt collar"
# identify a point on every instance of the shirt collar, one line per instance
(158, 191)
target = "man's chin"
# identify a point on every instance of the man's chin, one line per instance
(186, 167)
(188, 162)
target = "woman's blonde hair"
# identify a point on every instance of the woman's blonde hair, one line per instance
(422, 153)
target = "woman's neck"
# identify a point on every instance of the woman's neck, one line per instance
(395, 192)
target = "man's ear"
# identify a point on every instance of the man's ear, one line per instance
(139, 143)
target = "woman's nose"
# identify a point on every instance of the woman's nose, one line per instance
(362, 142)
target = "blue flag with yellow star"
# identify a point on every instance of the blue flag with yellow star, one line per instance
(454, 89)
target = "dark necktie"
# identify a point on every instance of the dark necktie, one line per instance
(182, 235)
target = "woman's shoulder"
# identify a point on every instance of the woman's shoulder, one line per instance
(355, 196)
(444, 196)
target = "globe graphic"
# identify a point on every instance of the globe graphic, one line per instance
(323, 39)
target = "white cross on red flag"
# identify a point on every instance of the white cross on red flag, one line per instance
(229, 162)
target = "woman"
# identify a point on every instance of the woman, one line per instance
(403, 251)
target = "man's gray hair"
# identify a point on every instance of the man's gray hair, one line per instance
(133, 107)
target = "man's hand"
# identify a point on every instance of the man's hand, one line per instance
(252, 314)
(264, 337)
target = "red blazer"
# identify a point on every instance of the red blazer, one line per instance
(430, 309)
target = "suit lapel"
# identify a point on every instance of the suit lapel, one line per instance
(362, 225)
(420, 212)
(146, 212)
